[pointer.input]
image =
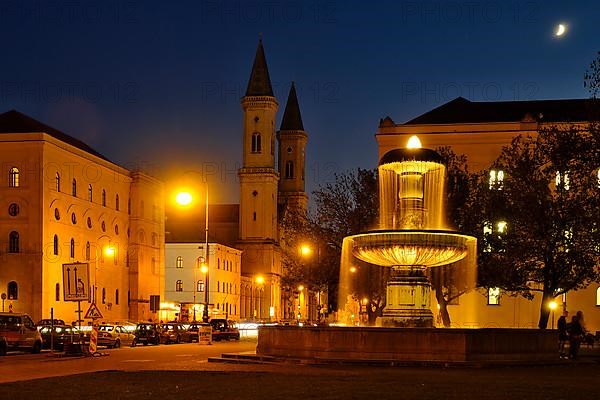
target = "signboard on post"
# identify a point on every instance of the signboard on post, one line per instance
(76, 282)
(93, 312)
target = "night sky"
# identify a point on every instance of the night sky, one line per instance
(157, 85)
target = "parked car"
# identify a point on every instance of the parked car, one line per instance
(223, 329)
(193, 330)
(59, 335)
(114, 336)
(48, 322)
(146, 333)
(174, 332)
(20, 333)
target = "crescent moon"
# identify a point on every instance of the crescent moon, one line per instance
(560, 30)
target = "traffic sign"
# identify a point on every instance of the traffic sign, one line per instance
(76, 282)
(93, 312)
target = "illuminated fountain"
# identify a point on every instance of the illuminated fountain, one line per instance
(411, 243)
(413, 234)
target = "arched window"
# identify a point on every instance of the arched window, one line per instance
(289, 170)
(55, 245)
(117, 202)
(74, 187)
(129, 206)
(104, 197)
(13, 177)
(57, 292)
(87, 251)
(13, 242)
(72, 248)
(13, 290)
(117, 296)
(57, 182)
(90, 192)
(200, 286)
(179, 286)
(179, 262)
(256, 143)
(103, 295)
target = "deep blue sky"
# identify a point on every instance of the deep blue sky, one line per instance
(157, 84)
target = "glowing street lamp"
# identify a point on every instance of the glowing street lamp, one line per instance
(305, 250)
(552, 306)
(353, 269)
(184, 199)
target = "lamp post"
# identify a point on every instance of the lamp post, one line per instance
(185, 199)
(260, 280)
(552, 305)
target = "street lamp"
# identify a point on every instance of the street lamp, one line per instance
(260, 280)
(184, 199)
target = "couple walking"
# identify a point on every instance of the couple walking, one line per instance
(572, 332)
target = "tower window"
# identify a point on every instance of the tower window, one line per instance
(57, 182)
(256, 143)
(72, 248)
(13, 177)
(104, 197)
(74, 187)
(289, 170)
(117, 296)
(494, 296)
(90, 192)
(57, 292)
(55, 245)
(254, 215)
(13, 210)
(13, 242)
(117, 202)
(179, 286)
(103, 295)
(87, 251)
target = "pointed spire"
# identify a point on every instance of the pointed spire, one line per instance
(259, 83)
(292, 120)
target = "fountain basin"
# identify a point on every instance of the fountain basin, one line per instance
(407, 345)
(408, 247)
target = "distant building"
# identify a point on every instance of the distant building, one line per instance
(272, 182)
(187, 289)
(62, 202)
(480, 130)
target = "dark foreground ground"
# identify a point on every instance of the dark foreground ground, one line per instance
(216, 381)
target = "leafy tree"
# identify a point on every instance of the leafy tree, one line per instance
(538, 229)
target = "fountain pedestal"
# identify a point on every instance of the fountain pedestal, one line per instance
(408, 298)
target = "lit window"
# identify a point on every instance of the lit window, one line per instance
(496, 180)
(179, 286)
(487, 230)
(179, 262)
(200, 286)
(501, 227)
(598, 179)
(562, 180)
(13, 177)
(598, 296)
(494, 296)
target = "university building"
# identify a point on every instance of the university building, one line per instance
(61, 202)
(480, 130)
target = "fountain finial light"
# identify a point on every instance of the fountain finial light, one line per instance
(413, 143)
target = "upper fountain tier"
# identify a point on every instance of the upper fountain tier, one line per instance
(411, 189)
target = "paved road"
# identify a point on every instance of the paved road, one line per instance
(19, 366)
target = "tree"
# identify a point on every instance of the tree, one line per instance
(538, 227)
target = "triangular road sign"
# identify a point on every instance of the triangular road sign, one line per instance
(93, 312)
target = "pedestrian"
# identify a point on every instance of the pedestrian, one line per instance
(563, 334)
(575, 337)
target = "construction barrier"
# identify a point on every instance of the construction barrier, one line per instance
(94, 339)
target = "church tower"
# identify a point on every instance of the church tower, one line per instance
(292, 143)
(261, 261)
